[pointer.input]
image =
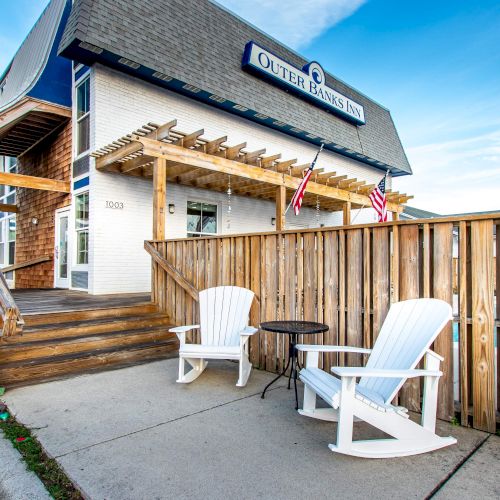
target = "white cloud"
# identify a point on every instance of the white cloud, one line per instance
(455, 176)
(294, 22)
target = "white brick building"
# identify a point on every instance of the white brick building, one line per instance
(126, 74)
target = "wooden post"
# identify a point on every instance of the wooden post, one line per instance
(347, 213)
(395, 215)
(280, 208)
(159, 204)
(159, 198)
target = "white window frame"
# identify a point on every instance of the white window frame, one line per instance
(6, 218)
(76, 120)
(76, 266)
(218, 221)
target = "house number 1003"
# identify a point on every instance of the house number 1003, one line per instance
(115, 204)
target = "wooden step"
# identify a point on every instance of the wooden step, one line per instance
(89, 314)
(45, 369)
(51, 348)
(62, 331)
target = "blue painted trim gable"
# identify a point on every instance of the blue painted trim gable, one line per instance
(110, 59)
(54, 84)
(80, 183)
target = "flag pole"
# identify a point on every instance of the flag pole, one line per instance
(313, 163)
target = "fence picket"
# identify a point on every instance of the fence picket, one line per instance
(442, 289)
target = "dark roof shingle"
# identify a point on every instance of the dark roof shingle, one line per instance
(200, 43)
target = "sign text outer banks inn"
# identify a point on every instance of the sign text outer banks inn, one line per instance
(309, 82)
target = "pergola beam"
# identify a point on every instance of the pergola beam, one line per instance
(269, 161)
(6, 207)
(222, 165)
(113, 156)
(284, 166)
(192, 160)
(31, 182)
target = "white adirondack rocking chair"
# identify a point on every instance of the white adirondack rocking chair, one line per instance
(405, 337)
(224, 331)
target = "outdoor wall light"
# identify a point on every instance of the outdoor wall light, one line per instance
(34, 221)
(171, 208)
(273, 221)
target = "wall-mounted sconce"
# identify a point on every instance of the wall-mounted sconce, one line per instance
(34, 221)
(273, 221)
(171, 208)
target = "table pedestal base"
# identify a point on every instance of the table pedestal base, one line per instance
(294, 361)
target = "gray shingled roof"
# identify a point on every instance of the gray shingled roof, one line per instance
(417, 213)
(200, 43)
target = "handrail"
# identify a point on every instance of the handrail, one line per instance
(26, 263)
(455, 220)
(11, 315)
(171, 271)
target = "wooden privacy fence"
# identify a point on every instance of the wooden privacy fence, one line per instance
(347, 277)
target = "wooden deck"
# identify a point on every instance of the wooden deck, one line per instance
(36, 301)
(67, 332)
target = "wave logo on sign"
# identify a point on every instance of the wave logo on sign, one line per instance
(308, 82)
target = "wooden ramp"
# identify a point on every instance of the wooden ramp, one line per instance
(72, 333)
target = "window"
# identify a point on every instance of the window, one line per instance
(201, 219)
(82, 228)
(7, 219)
(83, 117)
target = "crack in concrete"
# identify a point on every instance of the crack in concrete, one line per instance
(455, 469)
(164, 423)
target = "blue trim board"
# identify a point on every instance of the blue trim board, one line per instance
(81, 72)
(80, 183)
(87, 57)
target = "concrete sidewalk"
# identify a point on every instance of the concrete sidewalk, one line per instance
(16, 481)
(136, 434)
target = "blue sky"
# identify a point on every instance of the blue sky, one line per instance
(435, 65)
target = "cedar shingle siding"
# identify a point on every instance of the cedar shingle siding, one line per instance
(200, 43)
(51, 159)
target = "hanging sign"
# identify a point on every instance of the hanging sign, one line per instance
(309, 82)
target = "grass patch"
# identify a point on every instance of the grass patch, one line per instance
(47, 469)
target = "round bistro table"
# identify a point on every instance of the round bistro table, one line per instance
(293, 329)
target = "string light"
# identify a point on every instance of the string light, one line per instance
(317, 211)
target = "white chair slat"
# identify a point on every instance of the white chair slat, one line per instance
(232, 295)
(408, 331)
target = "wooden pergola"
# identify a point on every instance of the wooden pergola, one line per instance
(169, 155)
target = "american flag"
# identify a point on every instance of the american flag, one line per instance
(379, 201)
(299, 194)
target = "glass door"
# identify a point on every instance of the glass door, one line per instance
(61, 267)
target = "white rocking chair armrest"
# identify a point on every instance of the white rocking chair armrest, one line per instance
(248, 330)
(331, 348)
(352, 371)
(434, 355)
(183, 329)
